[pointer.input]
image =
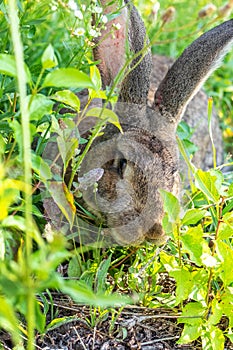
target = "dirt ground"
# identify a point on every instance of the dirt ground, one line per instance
(133, 328)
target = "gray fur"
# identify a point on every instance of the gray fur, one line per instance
(195, 115)
(145, 158)
(191, 70)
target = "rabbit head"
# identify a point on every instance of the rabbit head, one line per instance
(144, 159)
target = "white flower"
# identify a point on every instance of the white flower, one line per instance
(117, 26)
(54, 8)
(72, 5)
(48, 233)
(104, 19)
(79, 31)
(208, 260)
(78, 14)
(155, 8)
(83, 7)
(93, 32)
(97, 9)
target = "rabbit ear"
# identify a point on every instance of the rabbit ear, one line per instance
(190, 71)
(135, 86)
(111, 51)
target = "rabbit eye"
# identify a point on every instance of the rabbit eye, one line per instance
(122, 163)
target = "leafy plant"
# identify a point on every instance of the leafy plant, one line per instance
(28, 265)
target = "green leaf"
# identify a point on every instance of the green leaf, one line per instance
(105, 114)
(184, 283)
(225, 254)
(96, 77)
(2, 145)
(228, 219)
(41, 167)
(14, 124)
(169, 261)
(230, 336)
(56, 127)
(200, 285)
(167, 225)
(228, 207)
(101, 275)
(8, 320)
(212, 339)
(68, 98)
(49, 59)
(171, 205)
(189, 333)
(189, 146)
(227, 304)
(192, 314)
(216, 312)
(39, 105)
(8, 66)
(74, 267)
(2, 245)
(184, 131)
(17, 222)
(230, 190)
(225, 231)
(19, 346)
(195, 245)
(40, 318)
(82, 294)
(68, 78)
(63, 198)
(67, 149)
(207, 184)
(192, 216)
(58, 322)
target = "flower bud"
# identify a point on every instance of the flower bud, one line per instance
(207, 11)
(226, 10)
(169, 14)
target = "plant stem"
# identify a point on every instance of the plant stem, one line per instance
(210, 107)
(25, 120)
(82, 156)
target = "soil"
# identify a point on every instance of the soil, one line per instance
(134, 328)
(128, 328)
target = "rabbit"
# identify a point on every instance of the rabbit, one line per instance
(144, 158)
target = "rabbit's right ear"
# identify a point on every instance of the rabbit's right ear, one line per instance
(190, 71)
(112, 49)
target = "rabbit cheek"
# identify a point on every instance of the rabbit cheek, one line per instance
(107, 185)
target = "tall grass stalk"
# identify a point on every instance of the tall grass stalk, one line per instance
(210, 108)
(26, 147)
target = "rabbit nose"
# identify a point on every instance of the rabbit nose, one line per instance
(156, 234)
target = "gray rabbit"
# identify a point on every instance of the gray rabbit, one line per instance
(145, 157)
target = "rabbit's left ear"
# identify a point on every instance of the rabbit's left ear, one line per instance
(190, 71)
(112, 48)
